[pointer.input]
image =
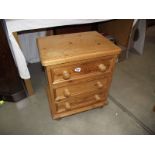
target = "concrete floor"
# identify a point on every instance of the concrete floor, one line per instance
(131, 99)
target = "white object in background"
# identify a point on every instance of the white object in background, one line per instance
(29, 46)
(19, 58)
(139, 27)
(139, 43)
(30, 24)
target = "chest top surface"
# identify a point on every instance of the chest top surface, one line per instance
(65, 48)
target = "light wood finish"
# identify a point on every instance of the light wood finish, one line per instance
(67, 106)
(102, 67)
(82, 100)
(99, 84)
(88, 68)
(60, 49)
(66, 75)
(79, 71)
(27, 82)
(74, 89)
(66, 92)
(29, 87)
(97, 98)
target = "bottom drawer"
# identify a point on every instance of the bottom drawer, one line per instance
(80, 101)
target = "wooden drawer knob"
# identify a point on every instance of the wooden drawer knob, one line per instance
(99, 84)
(66, 75)
(66, 92)
(97, 98)
(102, 67)
(67, 106)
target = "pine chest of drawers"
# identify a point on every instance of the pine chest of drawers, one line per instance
(79, 70)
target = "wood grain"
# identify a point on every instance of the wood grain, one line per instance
(59, 49)
(80, 88)
(79, 71)
(77, 110)
(92, 67)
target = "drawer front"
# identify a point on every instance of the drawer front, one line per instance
(85, 87)
(80, 101)
(80, 70)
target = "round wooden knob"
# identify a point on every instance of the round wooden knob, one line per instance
(67, 105)
(66, 75)
(102, 67)
(99, 84)
(97, 98)
(66, 92)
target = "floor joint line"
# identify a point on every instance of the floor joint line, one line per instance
(131, 115)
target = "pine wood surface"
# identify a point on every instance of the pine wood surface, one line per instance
(64, 48)
(77, 83)
(80, 88)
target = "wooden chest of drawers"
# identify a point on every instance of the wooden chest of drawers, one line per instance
(79, 70)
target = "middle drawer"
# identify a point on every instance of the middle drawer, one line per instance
(62, 93)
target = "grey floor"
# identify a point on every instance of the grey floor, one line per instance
(131, 100)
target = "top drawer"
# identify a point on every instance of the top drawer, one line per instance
(81, 69)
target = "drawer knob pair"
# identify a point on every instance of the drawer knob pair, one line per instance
(66, 75)
(102, 67)
(66, 92)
